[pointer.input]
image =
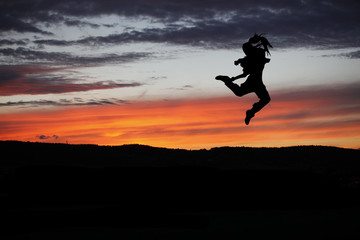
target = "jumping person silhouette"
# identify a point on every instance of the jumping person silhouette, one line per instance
(253, 65)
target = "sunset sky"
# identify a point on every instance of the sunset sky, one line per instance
(121, 72)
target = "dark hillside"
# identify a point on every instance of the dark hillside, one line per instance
(79, 188)
(309, 158)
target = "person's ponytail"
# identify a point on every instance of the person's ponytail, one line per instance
(263, 41)
(265, 44)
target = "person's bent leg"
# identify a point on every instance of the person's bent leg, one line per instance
(264, 96)
(260, 104)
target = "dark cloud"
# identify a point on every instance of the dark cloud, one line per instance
(34, 80)
(8, 23)
(210, 23)
(45, 137)
(212, 33)
(78, 23)
(352, 55)
(13, 42)
(64, 102)
(54, 42)
(29, 55)
(355, 54)
(7, 76)
(215, 35)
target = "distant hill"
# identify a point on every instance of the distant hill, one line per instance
(321, 159)
(46, 188)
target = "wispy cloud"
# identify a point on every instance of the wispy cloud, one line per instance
(33, 80)
(14, 42)
(351, 55)
(64, 102)
(42, 72)
(186, 87)
(64, 58)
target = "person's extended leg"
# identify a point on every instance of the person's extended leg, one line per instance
(238, 90)
(264, 97)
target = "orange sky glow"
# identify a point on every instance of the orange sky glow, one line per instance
(301, 118)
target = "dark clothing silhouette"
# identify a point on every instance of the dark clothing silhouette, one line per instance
(253, 65)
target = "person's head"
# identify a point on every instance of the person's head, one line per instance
(255, 39)
(262, 40)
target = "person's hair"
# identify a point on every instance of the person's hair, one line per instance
(263, 42)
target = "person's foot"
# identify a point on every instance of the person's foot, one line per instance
(223, 78)
(249, 116)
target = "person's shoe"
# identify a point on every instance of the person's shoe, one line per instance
(223, 78)
(249, 116)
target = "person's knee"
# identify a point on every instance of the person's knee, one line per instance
(268, 99)
(260, 104)
(265, 100)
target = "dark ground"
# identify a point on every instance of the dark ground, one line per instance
(60, 191)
